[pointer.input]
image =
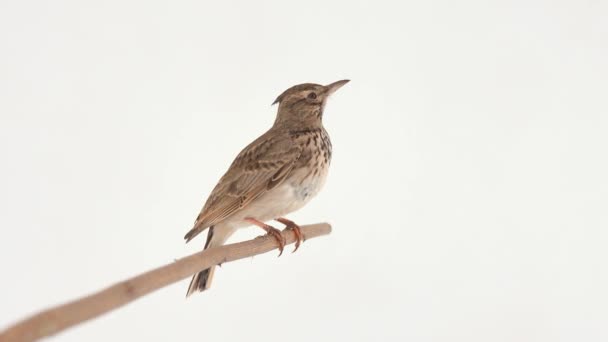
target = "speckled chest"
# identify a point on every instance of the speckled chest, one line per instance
(311, 168)
(304, 182)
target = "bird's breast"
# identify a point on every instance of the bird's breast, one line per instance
(310, 172)
(302, 184)
(306, 183)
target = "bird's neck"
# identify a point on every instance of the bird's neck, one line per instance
(298, 126)
(310, 118)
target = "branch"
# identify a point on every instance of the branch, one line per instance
(54, 320)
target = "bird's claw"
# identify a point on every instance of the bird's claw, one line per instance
(296, 231)
(276, 234)
(270, 231)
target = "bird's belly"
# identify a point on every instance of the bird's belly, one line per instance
(286, 198)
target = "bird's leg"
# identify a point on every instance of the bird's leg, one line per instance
(270, 230)
(296, 230)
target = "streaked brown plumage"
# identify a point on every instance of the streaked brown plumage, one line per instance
(276, 174)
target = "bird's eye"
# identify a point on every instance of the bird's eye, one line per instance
(312, 96)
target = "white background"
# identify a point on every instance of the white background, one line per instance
(467, 193)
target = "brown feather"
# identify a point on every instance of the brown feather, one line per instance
(261, 166)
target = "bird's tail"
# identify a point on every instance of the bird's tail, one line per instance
(202, 280)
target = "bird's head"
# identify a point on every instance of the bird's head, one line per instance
(304, 103)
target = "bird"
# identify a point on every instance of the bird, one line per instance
(275, 175)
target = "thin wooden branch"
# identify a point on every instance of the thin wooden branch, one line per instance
(56, 319)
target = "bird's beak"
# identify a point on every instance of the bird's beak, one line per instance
(332, 87)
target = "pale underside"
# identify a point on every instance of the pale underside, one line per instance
(286, 198)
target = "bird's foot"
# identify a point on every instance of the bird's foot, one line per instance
(270, 230)
(296, 230)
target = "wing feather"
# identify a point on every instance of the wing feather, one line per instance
(261, 166)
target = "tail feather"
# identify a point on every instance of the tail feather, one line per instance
(202, 280)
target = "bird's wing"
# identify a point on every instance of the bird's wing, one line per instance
(261, 166)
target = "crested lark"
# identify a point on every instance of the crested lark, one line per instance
(273, 176)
